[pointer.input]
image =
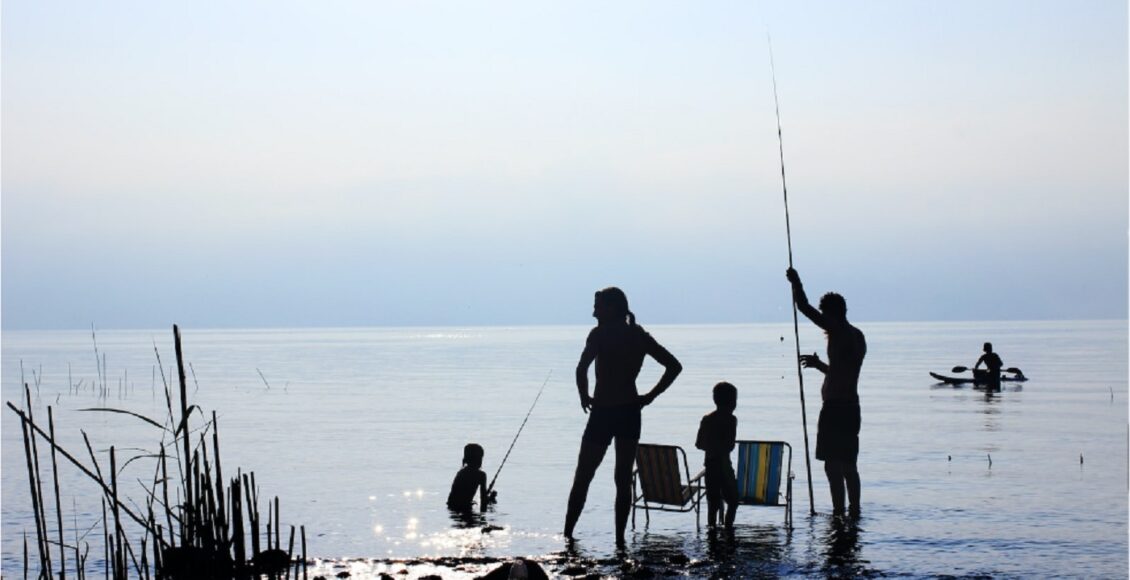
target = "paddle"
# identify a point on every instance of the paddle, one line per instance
(1013, 370)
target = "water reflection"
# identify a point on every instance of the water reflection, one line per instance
(992, 411)
(471, 534)
(758, 551)
(464, 519)
(666, 552)
(752, 550)
(842, 550)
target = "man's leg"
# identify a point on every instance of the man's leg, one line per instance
(851, 478)
(588, 460)
(835, 471)
(625, 459)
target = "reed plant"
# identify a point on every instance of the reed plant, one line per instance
(201, 534)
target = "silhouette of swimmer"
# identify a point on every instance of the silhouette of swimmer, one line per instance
(717, 435)
(993, 363)
(837, 431)
(618, 346)
(469, 479)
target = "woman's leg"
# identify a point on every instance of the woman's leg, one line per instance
(625, 459)
(588, 460)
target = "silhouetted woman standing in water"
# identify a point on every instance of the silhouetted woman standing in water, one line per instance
(618, 345)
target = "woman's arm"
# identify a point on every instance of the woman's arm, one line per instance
(671, 367)
(587, 356)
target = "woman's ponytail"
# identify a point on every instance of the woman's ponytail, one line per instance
(616, 305)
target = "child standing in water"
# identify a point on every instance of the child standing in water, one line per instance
(717, 434)
(469, 479)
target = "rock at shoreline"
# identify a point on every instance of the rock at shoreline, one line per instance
(519, 569)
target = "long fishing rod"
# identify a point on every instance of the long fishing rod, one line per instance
(789, 237)
(523, 426)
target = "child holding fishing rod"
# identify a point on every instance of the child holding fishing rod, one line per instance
(471, 477)
(618, 346)
(468, 480)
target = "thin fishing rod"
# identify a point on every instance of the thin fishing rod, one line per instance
(523, 426)
(789, 237)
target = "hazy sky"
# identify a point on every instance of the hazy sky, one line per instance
(230, 164)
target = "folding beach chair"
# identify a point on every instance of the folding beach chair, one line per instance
(663, 485)
(760, 467)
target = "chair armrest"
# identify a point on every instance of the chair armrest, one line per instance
(698, 476)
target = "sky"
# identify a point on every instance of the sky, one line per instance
(295, 164)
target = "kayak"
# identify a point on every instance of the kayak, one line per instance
(979, 379)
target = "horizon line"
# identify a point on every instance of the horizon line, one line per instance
(95, 328)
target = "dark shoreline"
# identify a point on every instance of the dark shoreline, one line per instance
(553, 566)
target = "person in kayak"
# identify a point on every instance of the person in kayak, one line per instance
(992, 362)
(837, 431)
(618, 346)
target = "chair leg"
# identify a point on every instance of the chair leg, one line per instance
(635, 500)
(789, 504)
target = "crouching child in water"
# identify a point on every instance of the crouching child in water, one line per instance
(717, 434)
(469, 479)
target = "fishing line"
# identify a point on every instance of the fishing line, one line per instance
(523, 426)
(789, 237)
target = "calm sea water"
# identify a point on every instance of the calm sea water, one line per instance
(359, 432)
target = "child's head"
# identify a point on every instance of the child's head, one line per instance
(725, 396)
(473, 455)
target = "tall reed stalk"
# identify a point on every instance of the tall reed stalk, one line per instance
(202, 534)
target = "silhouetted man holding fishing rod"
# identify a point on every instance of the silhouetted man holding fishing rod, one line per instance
(837, 431)
(618, 346)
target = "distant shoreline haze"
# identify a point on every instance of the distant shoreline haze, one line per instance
(98, 328)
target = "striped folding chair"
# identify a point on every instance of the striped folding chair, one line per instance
(664, 482)
(760, 467)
